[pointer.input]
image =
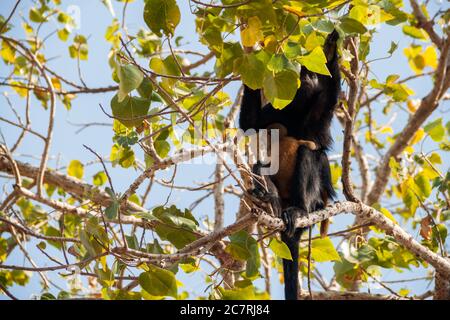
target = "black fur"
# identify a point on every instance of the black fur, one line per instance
(307, 117)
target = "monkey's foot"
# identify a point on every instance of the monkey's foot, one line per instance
(289, 216)
(262, 194)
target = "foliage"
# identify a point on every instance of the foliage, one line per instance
(157, 83)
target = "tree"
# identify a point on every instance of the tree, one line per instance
(84, 222)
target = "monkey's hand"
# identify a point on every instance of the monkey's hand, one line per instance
(289, 216)
(330, 47)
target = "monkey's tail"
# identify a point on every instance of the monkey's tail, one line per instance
(290, 267)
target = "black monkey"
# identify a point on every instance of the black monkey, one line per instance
(307, 117)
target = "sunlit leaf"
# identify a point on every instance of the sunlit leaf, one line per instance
(75, 169)
(280, 249)
(162, 15)
(158, 282)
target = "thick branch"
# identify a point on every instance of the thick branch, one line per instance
(367, 213)
(428, 104)
(425, 24)
(347, 295)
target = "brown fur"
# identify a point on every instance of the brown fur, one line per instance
(288, 147)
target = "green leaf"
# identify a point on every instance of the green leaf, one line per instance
(279, 62)
(162, 15)
(130, 78)
(130, 111)
(162, 148)
(145, 90)
(316, 61)
(99, 178)
(280, 249)
(393, 47)
(280, 88)
(423, 183)
(409, 197)
(75, 169)
(323, 250)
(251, 70)
(92, 246)
(247, 293)
(123, 156)
(349, 26)
(36, 16)
(230, 52)
(47, 296)
(146, 215)
(245, 247)
(436, 130)
(440, 233)
(415, 32)
(178, 226)
(112, 210)
(324, 25)
(158, 282)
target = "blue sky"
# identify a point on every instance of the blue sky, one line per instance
(67, 145)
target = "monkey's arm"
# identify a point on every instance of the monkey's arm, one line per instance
(265, 190)
(255, 116)
(250, 109)
(331, 85)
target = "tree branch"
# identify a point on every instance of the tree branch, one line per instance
(428, 104)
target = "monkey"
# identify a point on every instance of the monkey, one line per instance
(307, 117)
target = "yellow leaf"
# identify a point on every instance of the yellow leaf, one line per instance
(315, 61)
(75, 169)
(413, 104)
(417, 136)
(409, 150)
(294, 10)
(270, 43)
(56, 83)
(419, 59)
(411, 52)
(19, 88)
(418, 62)
(387, 130)
(435, 158)
(313, 41)
(388, 215)
(7, 52)
(252, 33)
(336, 173)
(430, 56)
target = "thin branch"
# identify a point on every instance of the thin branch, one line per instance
(10, 16)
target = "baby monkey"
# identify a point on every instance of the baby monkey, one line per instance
(288, 147)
